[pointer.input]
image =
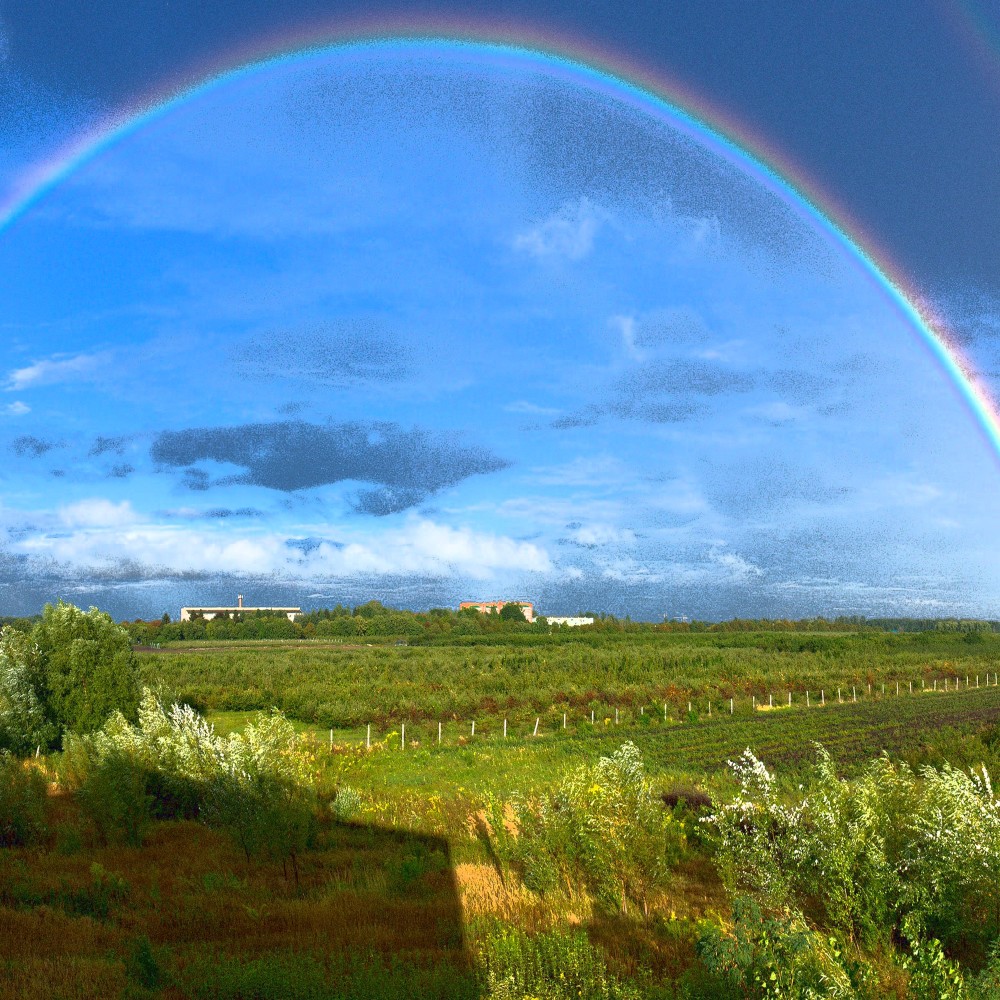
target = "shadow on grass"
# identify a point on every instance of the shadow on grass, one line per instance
(377, 915)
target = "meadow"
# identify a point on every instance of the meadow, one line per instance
(643, 854)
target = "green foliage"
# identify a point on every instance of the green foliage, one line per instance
(105, 891)
(775, 957)
(601, 827)
(22, 803)
(327, 977)
(258, 785)
(113, 797)
(890, 855)
(142, 966)
(952, 868)
(26, 721)
(933, 976)
(71, 672)
(554, 964)
(90, 670)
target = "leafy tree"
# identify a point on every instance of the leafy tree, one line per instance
(72, 672)
(512, 613)
(90, 669)
(26, 719)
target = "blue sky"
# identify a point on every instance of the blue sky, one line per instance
(431, 327)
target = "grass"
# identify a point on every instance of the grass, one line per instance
(408, 900)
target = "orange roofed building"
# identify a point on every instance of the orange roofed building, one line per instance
(493, 607)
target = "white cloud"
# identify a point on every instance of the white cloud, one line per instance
(736, 567)
(601, 534)
(568, 233)
(108, 534)
(16, 409)
(97, 513)
(51, 371)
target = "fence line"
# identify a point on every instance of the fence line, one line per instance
(694, 709)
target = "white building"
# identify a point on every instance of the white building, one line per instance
(209, 613)
(571, 622)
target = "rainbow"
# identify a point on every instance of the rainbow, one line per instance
(580, 63)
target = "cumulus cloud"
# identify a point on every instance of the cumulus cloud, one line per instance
(108, 535)
(568, 233)
(294, 455)
(16, 409)
(56, 370)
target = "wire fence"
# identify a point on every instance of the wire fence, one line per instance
(454, 731)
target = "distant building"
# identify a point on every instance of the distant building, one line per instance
(209, 613)
(493, 607)
(571, 622)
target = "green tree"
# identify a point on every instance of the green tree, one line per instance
(88, 666)
(512, 613)
(26, 719)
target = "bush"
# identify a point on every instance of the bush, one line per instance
(602, 827)
(22, 803)
(776, 957)
(113, 797)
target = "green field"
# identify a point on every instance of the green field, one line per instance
(547, 863)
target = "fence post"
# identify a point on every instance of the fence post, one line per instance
(789, 699)
(564, 720)
(368, 737)
(473, 733)
(854, 692)
(402, 736)
(616, 716)
(331, 741)
(822, 696)
(710, 710)
(535, 733)
(505, 729)
(807, 699)
(897, 689)
(841, 700)
(592, 714)
(730, 706)
(689, 708)
(664, 712)
(439, 733)
(770, 701)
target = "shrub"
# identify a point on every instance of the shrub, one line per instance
(113, 797)
(774, 957)
(834, 849)
(22, 803)
(554, 964)
(602, 827)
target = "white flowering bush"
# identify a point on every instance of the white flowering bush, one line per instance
(888, 856)
(259, 785)
(952, 867)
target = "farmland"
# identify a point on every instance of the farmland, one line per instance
(568, 858)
